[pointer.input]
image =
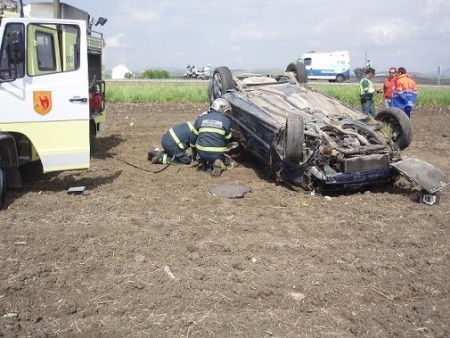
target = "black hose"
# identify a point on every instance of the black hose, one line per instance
(139, 167)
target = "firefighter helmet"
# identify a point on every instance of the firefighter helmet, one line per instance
(221, 105)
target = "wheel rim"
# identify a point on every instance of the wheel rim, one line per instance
(217, 85)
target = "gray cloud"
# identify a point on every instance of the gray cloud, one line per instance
(271, 33)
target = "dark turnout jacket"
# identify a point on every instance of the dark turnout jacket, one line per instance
(211, 133)
(178, 136)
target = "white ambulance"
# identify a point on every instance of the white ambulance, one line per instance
(51, 88)
(331, 66)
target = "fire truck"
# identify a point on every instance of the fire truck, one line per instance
(52, 92)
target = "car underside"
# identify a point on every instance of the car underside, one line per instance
(311, 140)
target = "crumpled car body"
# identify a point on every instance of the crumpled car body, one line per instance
(311, 140)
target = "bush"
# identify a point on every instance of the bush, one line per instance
(155, 74)
(359, 73)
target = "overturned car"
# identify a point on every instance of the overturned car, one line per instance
(314, 141)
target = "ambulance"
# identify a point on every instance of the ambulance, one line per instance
(52, 91)
(331, 66)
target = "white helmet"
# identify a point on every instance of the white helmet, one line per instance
(221, 105)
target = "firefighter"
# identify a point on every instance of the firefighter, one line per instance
(176, 146)
(366, 93)
(211, 135)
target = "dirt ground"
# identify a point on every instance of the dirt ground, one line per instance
(156, 255)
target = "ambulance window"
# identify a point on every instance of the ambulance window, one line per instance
(10, 64)
(45, 51)
(307, 61)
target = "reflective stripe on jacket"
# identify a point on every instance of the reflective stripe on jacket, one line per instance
(181, 134)
(212, 132)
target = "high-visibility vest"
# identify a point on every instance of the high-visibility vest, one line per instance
(370, 89)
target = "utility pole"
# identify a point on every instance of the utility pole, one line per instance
(439, 75)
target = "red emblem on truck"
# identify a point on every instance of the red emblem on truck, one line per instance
(42, 102)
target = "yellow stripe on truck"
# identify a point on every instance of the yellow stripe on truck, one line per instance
(61, 145)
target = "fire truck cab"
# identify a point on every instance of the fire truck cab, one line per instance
(51, 88)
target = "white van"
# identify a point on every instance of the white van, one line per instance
(332, 66)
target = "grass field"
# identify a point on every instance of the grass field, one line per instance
(196, 92)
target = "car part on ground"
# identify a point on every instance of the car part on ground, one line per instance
(312, 140)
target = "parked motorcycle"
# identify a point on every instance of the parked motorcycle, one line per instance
(205, 73)
(188, 73)
(193, 72)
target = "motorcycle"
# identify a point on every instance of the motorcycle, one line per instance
(193, 72)
(205, 73)
(188, 73)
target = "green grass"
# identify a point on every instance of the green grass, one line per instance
(428, 96)
(160, 92)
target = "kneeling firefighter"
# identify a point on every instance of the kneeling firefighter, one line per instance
(211, 135)
(175, 143)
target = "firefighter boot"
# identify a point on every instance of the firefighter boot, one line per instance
(217, 168)
(158, 158)
(152, 153)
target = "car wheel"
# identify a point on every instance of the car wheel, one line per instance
(221, 81)
(340, 78)
(400, 124)
(295, 134)
(299, 70)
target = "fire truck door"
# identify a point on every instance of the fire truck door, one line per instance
(48, 101)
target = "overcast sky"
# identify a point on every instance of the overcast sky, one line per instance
(251, 34)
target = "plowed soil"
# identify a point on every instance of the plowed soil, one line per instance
(146, 254)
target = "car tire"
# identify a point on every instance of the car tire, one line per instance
(400, 123)
(299, 70)
(340, 78)
(221, 81)
(295, 135)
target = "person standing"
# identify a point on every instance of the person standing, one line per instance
(175, 143)
(404, 94)
(388, 85)
(366, 93)
(211, 135)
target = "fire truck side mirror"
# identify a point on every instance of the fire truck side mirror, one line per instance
(17, 46)
(101, 21)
